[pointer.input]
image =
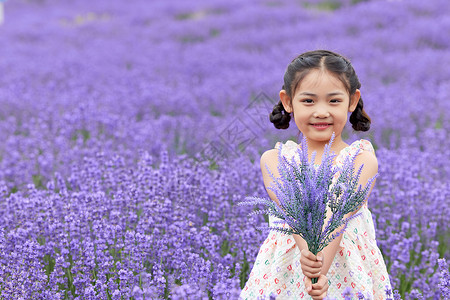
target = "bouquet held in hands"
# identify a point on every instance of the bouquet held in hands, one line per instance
(314, 199)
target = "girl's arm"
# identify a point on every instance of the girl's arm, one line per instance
(270, 157)
(308, 260)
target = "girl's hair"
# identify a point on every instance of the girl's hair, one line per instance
(332, 62)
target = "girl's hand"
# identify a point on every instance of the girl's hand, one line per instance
(310, 263)
(317, 290)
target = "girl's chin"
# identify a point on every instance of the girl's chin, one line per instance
(320, 137)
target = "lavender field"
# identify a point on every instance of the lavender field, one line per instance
(130, 130)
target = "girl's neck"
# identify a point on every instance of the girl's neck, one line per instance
(319, 146)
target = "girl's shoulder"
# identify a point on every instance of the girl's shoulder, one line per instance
(289, 144)
(365, 151)
(361, 145)
(288, 149)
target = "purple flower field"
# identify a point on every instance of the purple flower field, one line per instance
(130, 130)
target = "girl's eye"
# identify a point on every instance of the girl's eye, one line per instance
(307, 101)
(335, 101)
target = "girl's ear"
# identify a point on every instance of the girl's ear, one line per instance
(285, 100)
(354, 99)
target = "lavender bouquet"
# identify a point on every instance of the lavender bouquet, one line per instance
(305, 190)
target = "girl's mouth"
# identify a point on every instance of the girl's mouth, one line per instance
(321, 126)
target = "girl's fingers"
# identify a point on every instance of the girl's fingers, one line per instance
(308, 254)
(310, 263)
(309, 259)
(311, 273)
(316, 293)
(321, 297)
(319, 289)
(323, 281)
(319, 256)
(310, 268)
(322, 284)
(308, 284)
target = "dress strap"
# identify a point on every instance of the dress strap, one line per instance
(351, 149)
(288, 149)
(365, 145)
(358, 145)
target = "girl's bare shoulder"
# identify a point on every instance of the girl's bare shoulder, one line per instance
(269, 157)
(269, 160)
(369, 160)
(366, 155)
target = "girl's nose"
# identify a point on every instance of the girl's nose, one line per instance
(321, 114)
(321, 111)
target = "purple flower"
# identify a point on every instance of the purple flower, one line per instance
(360, 295)
(347, 293)
(397, 295)
(444, 283)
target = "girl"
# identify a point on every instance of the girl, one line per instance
(320, 90)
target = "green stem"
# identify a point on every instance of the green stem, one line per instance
(314, 251)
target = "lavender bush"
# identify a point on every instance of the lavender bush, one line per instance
(106, 108)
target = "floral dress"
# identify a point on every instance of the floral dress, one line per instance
(358, 264)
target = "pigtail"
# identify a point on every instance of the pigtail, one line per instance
(279, 116)
(359, 119)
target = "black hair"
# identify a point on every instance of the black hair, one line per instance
(332, 62)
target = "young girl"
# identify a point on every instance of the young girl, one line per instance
(320, 90)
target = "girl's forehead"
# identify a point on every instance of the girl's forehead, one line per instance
(320, 79)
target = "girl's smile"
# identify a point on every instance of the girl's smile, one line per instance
(321, 126)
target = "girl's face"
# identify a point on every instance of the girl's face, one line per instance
(320, 106)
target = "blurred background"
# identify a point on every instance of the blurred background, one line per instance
(150, 115)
